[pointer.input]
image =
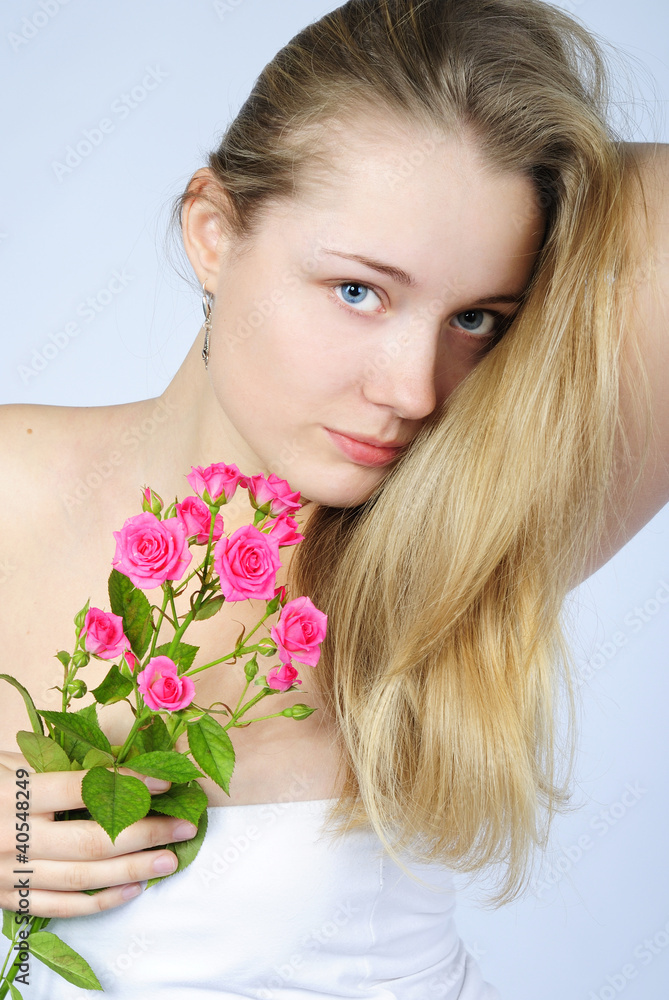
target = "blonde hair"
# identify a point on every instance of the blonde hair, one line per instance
(446, 662)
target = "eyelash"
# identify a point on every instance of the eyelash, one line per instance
(501, 318)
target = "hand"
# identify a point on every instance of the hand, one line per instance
(66, 857)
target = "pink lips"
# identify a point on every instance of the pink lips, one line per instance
(361, 452)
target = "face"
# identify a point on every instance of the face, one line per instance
(362, 305)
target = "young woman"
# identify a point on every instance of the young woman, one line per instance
(458, 364)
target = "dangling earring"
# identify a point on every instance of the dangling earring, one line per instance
(207, 299)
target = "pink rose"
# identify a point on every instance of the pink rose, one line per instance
(196, 519)
(149, 551)
(284, 529)
(299, 631)
(131, 660)
(247, 563)
(283, 677)
(215, 482)
(151, 501)
(104, 634)
(162, 688)
(275, 490)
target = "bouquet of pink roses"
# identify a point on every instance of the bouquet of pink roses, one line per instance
(153, 550)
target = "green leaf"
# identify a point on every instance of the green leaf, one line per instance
(114, 687)
(132, 605)
(212, 748)
(41, 752)
(168, 764)
(209, 608)
(114, 800)
(35, 720)
(84, 729)
(97, 758)
(9, 925)
(183, 655)
(185, 850)
(183, 801)
(75, 748)
(64, 658)
(153, 737)
(64, 960)
(14, 992)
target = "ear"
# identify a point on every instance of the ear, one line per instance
(205, 234)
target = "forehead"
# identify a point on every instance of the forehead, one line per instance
(424, 200)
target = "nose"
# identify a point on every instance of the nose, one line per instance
(401, 373)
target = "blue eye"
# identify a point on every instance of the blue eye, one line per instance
(474, 321)
(356, 294)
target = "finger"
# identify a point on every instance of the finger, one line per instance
(12, 760)
(58, 791)
(73, 876)
(84, 839)
(47, 903)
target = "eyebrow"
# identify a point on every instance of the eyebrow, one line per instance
(404, 278)
(396, 273)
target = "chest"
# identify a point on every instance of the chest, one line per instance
(52, 578)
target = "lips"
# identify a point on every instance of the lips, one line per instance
(365, 451)
(373, 441)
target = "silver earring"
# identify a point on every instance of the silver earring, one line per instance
(207, 299)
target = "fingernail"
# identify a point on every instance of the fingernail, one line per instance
(165, 863)
(157, 784)
(130, 891)
(184, 831)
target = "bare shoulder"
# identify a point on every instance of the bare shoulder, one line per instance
(35, 441)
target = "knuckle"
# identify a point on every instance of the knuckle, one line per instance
(137, 869)
(9, 901)
(77, 876)
(60, 908)
(161, 832)
(103, 901)
(89, 842)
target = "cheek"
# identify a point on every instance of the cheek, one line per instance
(455, 361)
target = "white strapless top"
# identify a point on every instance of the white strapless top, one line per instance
(271, 910)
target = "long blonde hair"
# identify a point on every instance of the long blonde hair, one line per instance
(446, 662)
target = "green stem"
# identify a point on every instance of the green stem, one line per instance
(174, 609)
(239, 651)
(256, 627)
(213, 513)
(166, 595)
(212, 663)
(64, 702)
(202, 593)
(259, 719)
(36, 924)
(131, 735)
(241, 698)
(246, 707)
(182, 628)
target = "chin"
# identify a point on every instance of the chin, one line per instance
(339, 487)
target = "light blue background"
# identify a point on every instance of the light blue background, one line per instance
(62, 240)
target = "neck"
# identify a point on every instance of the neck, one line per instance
(191, 429)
